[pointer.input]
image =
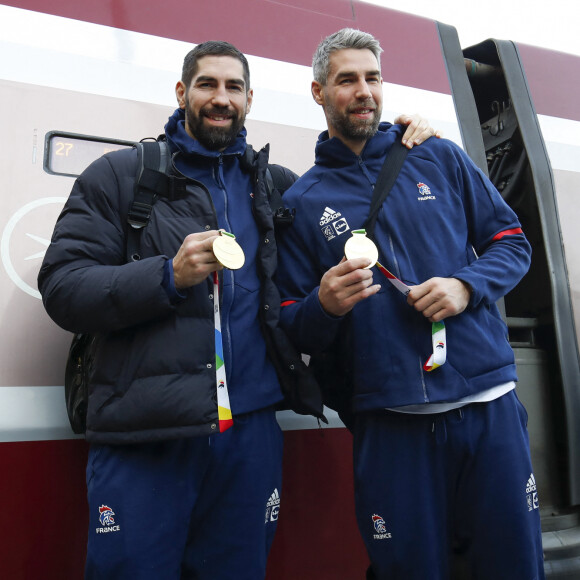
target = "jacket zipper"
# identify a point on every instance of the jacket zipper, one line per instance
(225, 320)
(208, 194)
(397, 270)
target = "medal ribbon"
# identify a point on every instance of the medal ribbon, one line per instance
(439, 347)
(223, 399)
(438, 337)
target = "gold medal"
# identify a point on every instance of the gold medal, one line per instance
(359, 246)
(228, 252)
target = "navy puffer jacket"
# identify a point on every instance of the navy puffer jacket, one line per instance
(154, 375)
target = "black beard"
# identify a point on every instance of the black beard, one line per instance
(213, 138)
(354, 130)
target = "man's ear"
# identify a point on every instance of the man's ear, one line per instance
(250, 100)
(180, 94)
(317, 92)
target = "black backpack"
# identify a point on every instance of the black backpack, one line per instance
(153, 178)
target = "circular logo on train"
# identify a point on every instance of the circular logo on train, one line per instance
(25, 238)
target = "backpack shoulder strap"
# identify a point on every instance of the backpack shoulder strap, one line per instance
(277, 182)
(152, 179)
(394, 160)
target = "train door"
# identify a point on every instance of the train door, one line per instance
(531, 157)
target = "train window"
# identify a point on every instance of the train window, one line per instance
(70, 154)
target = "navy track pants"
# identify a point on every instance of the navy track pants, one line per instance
(196, 508)
(463, 480)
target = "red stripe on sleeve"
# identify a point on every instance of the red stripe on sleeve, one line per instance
(288, 302)
(500, 235)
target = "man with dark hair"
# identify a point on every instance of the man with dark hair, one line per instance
(213, 137)
(441, 451)
(184, 468)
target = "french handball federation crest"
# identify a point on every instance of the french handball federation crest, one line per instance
(106, 516)
(423, 188)
(379, 524)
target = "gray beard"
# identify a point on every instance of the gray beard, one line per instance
(354, 130)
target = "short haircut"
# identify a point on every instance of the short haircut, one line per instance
(345, 38)
(212, 48)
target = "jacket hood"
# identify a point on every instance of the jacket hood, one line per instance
(179, 139)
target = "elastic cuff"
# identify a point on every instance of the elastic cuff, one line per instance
(168, 283)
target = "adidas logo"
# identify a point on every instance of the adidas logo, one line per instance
(273, 507)
(531, 485)
(274, 499)
(532, 494)
(328, 216)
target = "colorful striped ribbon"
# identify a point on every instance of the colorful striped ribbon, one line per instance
(223, 399)
(438, 337)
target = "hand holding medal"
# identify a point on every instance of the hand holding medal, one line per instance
(359, 246)
(227, 251)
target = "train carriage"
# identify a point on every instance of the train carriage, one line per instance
(77, 80)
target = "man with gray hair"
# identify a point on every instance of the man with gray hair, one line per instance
(441, 451)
